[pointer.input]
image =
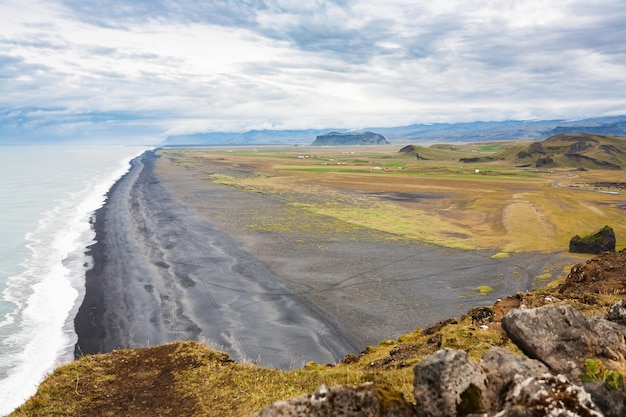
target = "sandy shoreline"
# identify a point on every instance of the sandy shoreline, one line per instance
(162, 273)
(176, 259)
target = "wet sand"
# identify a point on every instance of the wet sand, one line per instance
(179, 258)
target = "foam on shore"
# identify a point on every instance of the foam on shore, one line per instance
(164, 273)
(46, 294)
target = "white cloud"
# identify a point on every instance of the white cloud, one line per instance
(172, 66)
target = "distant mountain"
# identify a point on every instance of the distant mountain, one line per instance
(349, 138)
(613, 129)
(438, 132)
(504, 130)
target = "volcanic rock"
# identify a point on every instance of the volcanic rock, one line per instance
(602, 241)
(562, 337)
(349, 138)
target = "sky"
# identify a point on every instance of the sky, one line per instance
(141, 70)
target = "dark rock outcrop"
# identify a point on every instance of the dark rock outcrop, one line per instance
(502, 384)
(412, 150)
(532, 150)
(602, 241)
(408, 149)
(561, 337)
(476, 159)
(580, 158)
(546, 160)
(349, 138)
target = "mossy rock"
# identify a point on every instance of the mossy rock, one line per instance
(602, 241)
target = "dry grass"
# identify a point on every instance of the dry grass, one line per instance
(438, 200)
(183, 379)
(190, 379)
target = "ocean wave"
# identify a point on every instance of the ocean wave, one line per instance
(38, 329)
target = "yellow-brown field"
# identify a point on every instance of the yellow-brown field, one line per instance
(436, 199)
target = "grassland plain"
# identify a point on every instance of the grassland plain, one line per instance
(382, 240)
(271, 203)
(493, 205)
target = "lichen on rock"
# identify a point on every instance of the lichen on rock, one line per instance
(367, 400)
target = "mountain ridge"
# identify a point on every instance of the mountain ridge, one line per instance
(477, 131)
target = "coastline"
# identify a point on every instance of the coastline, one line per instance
(175, 260)
(162, 273)
(50, 195)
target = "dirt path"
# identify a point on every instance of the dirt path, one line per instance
(528, 227)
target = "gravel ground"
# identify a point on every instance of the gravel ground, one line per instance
(371, 286)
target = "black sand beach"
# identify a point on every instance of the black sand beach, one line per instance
(175, 259)
(163, 273)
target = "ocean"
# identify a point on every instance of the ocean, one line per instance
(48, 195)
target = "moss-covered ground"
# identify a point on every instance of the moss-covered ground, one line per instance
(191, 379)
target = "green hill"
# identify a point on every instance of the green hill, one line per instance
(577, 150)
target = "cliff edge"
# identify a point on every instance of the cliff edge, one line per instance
(349, 138)
(556, 350)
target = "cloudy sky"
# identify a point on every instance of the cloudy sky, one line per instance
(145, 69)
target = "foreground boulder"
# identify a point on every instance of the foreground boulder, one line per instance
(448, 383)
(502, 369)
(548, 396)
(367, 400)
(602, 241)
(557, 338)
(562, 338)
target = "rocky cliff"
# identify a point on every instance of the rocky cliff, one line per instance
(349, 138)
(555, 378)
(557, 351)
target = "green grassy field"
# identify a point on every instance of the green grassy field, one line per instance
(495, 204)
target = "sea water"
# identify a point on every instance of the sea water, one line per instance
(48, 195)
